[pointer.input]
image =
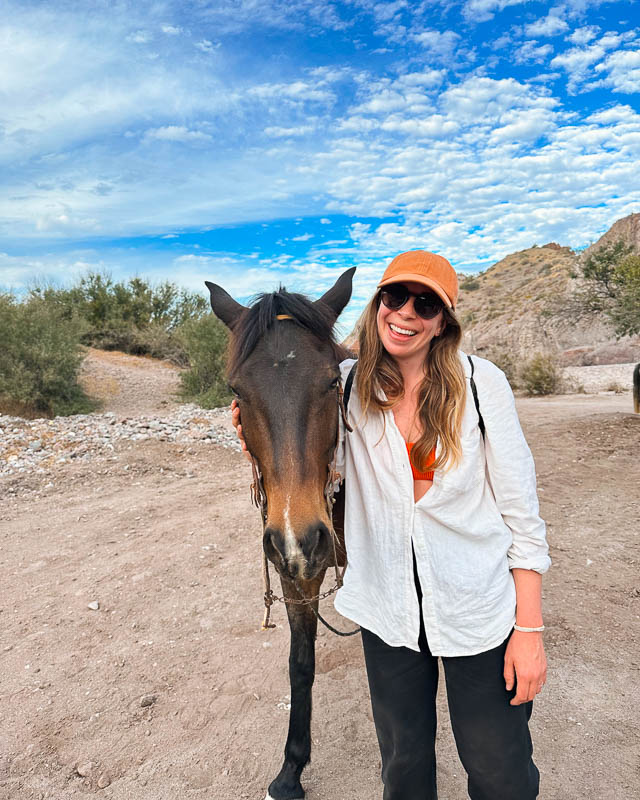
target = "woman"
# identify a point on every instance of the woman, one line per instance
(444, 542)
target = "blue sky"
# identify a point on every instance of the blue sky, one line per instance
(253, 142)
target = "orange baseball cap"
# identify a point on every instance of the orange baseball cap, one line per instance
(427, 268)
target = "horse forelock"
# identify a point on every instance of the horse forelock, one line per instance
(260, 317)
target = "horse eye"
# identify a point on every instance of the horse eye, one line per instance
(334, 383)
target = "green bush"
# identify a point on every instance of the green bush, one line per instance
(611, 284)
(135, 316)
(541, 375)
(40, 359)
(470, 284)
(505, 359)
(205, 342)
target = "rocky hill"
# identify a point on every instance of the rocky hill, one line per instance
(524, 304)
(627, 229)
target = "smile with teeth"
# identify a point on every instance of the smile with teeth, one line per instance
(403, 331)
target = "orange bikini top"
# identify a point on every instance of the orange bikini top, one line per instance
(417, 475)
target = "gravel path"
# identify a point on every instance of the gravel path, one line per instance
(40, 445)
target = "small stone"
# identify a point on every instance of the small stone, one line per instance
(84, 769)
(148, 700)
(35, 445)
(94, 605)
(104, 780)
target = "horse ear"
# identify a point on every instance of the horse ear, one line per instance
(340, 293)
(224, 306)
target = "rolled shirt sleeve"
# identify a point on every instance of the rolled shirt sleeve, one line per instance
(511, 471)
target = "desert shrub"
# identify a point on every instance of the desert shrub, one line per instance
(470, 284)
(40, 359)
(541, 375)
(134, 316)
(205, 341)
(468, 318)
(611, 284)
(614, 386)
(507, 361)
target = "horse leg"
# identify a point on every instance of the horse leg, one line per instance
(302, 666)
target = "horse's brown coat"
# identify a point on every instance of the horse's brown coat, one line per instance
(284, 369)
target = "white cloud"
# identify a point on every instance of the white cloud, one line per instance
(532, 52)
(551, 25)
(176, 133)
(581, 62)
(479, 99)
(325, 221)
(584, 35)
(615, 114)
(502, 42)
(430, 78)
(299, 91)
(171, 30)
(577, 62)
(139, 37)
(440, 46)
(304, 237)
(622, 70)
(435, 126)
(484, 10)
(206, 46)
(523, 127)
(280, 133)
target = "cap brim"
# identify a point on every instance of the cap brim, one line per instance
(411, 277)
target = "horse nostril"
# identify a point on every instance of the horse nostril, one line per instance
(315, 542)
(273, 542)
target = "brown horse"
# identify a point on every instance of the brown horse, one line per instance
(283, 368)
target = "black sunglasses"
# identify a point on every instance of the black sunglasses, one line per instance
(426, 304)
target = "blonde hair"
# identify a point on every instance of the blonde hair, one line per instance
(441, 393)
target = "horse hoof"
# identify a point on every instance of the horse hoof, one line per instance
(268, 797)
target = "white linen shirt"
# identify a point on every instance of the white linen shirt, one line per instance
(471, 527)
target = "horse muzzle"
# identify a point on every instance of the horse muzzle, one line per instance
(299, 556)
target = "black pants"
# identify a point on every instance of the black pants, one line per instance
(492, 736)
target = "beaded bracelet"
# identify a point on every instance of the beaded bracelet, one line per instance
(528, 630)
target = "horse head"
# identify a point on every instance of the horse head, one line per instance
(283, 369)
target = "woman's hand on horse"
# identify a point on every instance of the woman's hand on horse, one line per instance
(525, 666)
(235, 419)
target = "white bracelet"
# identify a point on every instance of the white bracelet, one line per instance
(528, 630)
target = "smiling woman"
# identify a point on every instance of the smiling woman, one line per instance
(446, 562)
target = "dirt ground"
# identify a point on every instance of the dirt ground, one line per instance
(170, 690)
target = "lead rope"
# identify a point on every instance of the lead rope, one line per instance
(259, 499)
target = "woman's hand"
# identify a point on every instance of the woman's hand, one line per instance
(525, 665)
(235, 420)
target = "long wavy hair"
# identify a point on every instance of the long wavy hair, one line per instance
(441, 394)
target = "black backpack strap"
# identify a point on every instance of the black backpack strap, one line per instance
(474, 391)
(346, 392)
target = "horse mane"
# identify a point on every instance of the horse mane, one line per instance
(317, 318)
